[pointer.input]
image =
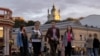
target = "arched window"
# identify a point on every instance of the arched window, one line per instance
(95, 35)
(80, 37)
(90, 35)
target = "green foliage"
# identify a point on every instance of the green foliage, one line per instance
(30, 23)
(19, 22)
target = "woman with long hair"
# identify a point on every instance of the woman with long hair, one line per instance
(67, 39)
(36, 39)
(22, 41)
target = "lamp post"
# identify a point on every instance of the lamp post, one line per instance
(86, 36)
(11, 42)
(87, 29)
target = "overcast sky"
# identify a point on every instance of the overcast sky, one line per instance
(37, 9)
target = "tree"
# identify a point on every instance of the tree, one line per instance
(30, 23)
(19, 22)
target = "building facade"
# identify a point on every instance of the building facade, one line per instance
(81, 32)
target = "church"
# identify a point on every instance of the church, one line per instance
(54, 14)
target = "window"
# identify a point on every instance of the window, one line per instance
(80, 37)
(90, 35)
(95, 35)
(1, 36)
(1, 32)
(1, 12)
(85, 38)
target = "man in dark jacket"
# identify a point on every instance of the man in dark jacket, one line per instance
(95, 45)
(53, 34)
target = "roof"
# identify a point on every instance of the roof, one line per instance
(7, 9)
(74, 21)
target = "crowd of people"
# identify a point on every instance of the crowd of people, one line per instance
(92, 45)
(58, 44)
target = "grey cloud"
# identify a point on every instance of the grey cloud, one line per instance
(33, 9)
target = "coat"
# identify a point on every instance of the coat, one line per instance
(19, 40)
(41, 39)
(65, 38)
(89, 43)
(49, 33)
(33, 36)
(96, 43)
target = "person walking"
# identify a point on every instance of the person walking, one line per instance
(36, 39)
(95, 45)
(53, 34)
(22, 41)
(67, 39)
(89, 45)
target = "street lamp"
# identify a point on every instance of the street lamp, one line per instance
(86, 32)
(87, 29)
(86, 36)
(11, 42)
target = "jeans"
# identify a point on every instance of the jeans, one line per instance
(90, 51)
(36, 48)
(59, 53)
(53, 46)
(24, 51)
(68, 49)
(96, 51)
